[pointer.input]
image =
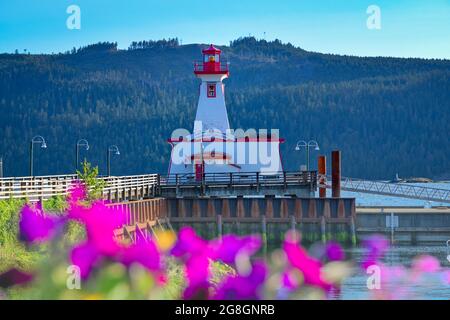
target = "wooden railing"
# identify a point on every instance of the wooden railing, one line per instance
(44, 187)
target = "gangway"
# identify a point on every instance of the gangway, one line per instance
(401, 190)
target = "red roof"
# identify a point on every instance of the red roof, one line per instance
(211, 50)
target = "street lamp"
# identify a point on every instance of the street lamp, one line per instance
(307, 145)
(41, 141)
(80, 143)
(114, 149)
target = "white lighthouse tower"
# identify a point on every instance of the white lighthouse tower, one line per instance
(213, 147)
(211, 109)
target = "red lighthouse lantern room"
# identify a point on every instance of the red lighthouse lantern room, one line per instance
(211, 62)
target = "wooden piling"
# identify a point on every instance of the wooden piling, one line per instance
(219, 226)
(264, 233)
(323, 229)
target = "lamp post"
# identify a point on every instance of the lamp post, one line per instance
(114, 149)
(307, 145)
(41, 141)
(80, 143)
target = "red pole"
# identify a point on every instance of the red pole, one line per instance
(336, 174)
(322, 168)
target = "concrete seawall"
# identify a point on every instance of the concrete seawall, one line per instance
(427, 226)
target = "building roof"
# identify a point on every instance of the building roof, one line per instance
(211, 50)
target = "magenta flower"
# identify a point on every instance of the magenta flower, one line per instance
(144, 252)
(227, 248)
(85, 256)
(287, 279)
(197, 274)
(309, 266)
(195, 252)
(334, 251)
(35, 225)
(242, 287)
(426, 263)
(376, 247)
(188, 243)
(100, 222)
(77, 192)
(14, 277)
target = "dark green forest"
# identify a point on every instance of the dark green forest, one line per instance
(387, 115)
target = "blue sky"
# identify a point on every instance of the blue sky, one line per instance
(409, 28)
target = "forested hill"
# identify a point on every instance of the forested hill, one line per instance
(387, 115)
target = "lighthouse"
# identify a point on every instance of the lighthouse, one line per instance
(213, 147)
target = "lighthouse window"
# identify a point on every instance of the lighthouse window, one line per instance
(211, 90)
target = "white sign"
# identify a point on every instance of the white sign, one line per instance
(391, 221)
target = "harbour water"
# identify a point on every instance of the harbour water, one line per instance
(433, 287)
(429, 287)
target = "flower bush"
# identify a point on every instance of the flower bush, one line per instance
(166, 265)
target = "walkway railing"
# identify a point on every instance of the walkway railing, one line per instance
(241, 178)
(394, 189)
(44, 187)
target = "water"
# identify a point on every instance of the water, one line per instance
(432, 287)
(355, 287)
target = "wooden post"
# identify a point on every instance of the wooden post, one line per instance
(322, 168)
(293, 223)
(264, 233)
(323, 229)
(336, 174)
(353, 230)
(219, 226)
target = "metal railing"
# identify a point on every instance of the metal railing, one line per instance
(222, 66)
(394, 189)
(241, 178)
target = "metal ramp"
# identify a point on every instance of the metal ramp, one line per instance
(392, 189)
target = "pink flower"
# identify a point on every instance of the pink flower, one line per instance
(287, 279)
(426, 263)
(227, 248)
(35, 225)
(85, 256)
(14, 277)
(77, 192)
(194, 250)
(310, 267)
(100, 222)
(376, 246)
(242, 287)
(144, 252)
(188, 243)
(334, 251)
(447, 277)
